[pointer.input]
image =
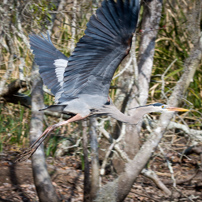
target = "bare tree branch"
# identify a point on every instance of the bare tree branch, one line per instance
(153, 176)
(150, 24)
(194, 134)
(73, 29)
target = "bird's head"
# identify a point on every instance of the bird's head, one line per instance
(159, 107)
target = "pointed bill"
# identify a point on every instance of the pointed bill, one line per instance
(177, 109)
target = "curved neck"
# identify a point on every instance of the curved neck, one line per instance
(112, 111)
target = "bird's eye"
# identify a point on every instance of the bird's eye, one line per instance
(162, 106)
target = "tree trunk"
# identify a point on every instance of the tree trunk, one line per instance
(45, 190)
(150, 21)
(94, 159)
(87, 185)
(137, 90)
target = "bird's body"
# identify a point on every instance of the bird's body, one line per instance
(82, 105)
(81, 82)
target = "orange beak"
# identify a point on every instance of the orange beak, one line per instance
(176, 109)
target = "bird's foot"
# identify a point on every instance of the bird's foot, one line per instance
(23, 156)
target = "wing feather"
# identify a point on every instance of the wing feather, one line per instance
(51, 62)
(97, 55)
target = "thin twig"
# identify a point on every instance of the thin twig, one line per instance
(145, 196)
(124, 69)
(73, 29)
(163, 77)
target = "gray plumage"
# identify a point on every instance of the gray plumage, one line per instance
(81, 82)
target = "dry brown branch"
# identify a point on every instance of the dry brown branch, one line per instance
(178, 182)
(149, 197)
(121, 153)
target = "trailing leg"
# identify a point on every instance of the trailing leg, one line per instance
(29, 152)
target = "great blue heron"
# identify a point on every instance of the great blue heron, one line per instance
(81, 82)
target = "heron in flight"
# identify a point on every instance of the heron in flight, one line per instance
(81, 82)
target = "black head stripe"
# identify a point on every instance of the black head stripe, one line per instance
(157, 104)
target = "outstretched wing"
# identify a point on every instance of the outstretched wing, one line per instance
(106, 42)
(52, 63)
